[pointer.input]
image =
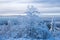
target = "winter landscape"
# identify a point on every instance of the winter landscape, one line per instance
(29, 19)
(29, 27)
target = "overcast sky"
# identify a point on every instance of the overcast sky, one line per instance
(19, 6)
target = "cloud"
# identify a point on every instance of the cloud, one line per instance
(15, 1)
(47, 1)
(19, 6)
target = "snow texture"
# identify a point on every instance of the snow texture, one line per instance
(30, 27)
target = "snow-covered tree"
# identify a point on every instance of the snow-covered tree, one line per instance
(35, 28)
(30, 26)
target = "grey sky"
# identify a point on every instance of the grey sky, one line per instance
(19, 6)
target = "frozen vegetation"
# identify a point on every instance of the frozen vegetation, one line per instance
(30, 27)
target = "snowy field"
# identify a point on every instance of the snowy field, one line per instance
(29, 27)
(24, 28)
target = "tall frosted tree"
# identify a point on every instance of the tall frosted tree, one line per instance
(31, 10)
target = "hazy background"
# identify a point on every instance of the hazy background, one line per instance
(49, 7)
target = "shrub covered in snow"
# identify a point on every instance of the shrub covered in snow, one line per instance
(28, 27)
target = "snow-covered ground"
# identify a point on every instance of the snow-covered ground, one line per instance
(24, 28)
(29, 27)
